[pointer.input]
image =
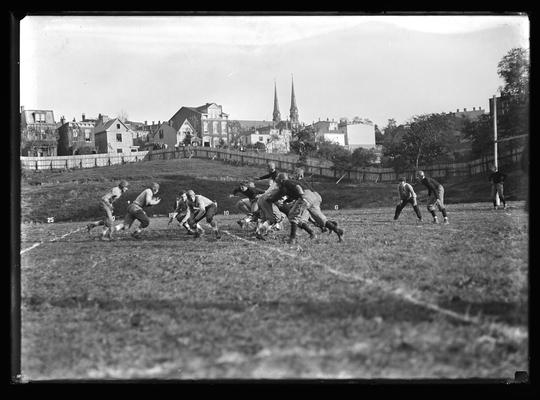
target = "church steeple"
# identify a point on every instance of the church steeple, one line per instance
(276, 116)
(294, 109)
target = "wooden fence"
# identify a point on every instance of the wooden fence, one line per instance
(81, 161)
(284, 162)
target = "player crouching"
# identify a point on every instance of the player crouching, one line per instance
(202, 207)
(136, 211)
(407, 196)
(106, 204)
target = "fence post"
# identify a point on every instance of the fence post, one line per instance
(37, 166)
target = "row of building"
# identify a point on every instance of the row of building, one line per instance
(207, 125)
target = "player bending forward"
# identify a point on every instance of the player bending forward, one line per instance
(407, 196)
(182, 212)
(248, 205)
(306, 203)
(136, 211)
(201, 207)
(106, 204)
(435, 196)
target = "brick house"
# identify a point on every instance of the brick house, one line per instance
(76, 137)
(38, 133)
(113, 136)
(208, 122)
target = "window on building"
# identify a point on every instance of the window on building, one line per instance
(205, 127)
(75, 133)
(117, 126)
(119, 150)
(118, 137)
(223, 126)
(215, 127)
(261, 139)
(87, 135)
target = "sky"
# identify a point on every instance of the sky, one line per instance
(376, 67)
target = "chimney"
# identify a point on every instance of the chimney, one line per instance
(457, 110)
(83, 117)
(146, 122)
(465, 110)
(74, 119)
(159, 122)
(63, 120)
(153, 122)
(474, 108)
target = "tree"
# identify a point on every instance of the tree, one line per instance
(379, 137)
(425, 139)
(303, 143)
(514, 69)
(422, 141)
(361, 157)
(123, 116)
(480, 133)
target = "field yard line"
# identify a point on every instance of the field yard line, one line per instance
(513, 332)
(30, 248)
(50, 241)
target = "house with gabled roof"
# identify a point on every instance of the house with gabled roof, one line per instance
(166, 135)
(209, 124)
(114, 136)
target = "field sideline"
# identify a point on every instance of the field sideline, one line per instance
(395, 300)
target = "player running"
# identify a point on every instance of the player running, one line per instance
(306, 202)
(202, 207)
(497, 186)
(248, 205)
(182, 212)
(407, 196)
(136, 211)
(435, 196)
(106, 204)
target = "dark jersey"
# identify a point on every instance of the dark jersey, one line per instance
(497, 177)
(431, 184)
(289, 188)
(271, 175)
(251, 192)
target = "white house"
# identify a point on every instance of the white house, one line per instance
(358, 134)
(113, 136)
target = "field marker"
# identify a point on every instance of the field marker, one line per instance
(512, 332)
(49, 241)
(50, 220)
(226, 212)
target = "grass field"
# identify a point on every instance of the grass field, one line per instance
(73, 195)
(394, 300)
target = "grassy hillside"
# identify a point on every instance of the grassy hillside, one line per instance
(73, 195)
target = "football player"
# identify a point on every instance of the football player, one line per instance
(435, 196)
(106, 204)
(182, 212)
(136, 211)
(248, 205)
(202, 207)
(407, 196)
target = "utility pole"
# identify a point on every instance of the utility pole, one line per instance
(495, 160)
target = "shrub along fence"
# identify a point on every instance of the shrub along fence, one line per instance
(284, 162)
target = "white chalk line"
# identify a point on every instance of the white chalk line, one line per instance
(49, 241)
(510, 331)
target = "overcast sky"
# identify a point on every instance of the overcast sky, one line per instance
(344, 66)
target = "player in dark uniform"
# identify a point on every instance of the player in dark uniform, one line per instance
(249, 204)
(306, 202)
(497, 179)
(435, 196)
(182, 212)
